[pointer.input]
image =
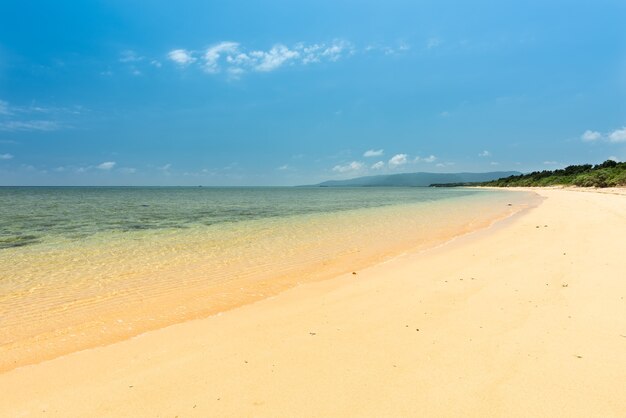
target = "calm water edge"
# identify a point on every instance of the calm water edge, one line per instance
(32, 215)
(83, 266)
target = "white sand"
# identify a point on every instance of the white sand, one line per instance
(525, 319)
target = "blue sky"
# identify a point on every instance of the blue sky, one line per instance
(281, 93)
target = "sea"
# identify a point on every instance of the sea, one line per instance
(87, 266)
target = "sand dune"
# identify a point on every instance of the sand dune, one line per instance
(527, 318)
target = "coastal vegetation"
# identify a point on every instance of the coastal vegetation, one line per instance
(608, 174)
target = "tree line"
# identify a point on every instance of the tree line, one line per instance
(608, 174)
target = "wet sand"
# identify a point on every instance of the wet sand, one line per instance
(527, 318)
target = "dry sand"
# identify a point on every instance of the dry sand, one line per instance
(527, 318)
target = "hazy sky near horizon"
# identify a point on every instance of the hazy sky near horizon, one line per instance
(272, 92)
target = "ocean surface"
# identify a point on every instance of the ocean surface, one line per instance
(84, 266)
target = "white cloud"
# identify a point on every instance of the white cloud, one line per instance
(317, 52)
(446, 164)
(334, 51)
(353, 166)
(397, 160)
(378, 166)
(181, 57)
(156, 63)
(484, 153)
(29, 125)
(590, 136)
(283, 167)
(551, 163)
(6, 156)
(213, 54)
(309, 53)
(494, 163)
(274, 58)
(236, 60)
(618, 135)
(165, 167)
(128, 170)
(373, 153)
(108, 165)
(614, 158)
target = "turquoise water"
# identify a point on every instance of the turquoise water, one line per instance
(32, 215)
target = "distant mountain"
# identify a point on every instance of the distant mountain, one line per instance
(417, 179)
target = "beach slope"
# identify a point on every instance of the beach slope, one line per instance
(527, 318)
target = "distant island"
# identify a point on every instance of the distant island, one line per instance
(420, 179)
(607, 174)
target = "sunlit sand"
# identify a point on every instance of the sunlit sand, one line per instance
(525, 318)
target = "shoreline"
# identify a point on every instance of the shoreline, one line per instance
(524, 318)
(118, 319)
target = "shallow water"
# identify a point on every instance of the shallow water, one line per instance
(86, 266)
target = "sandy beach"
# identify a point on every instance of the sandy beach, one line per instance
(525, 318)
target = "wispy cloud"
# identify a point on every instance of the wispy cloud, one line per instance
(30, 125)
(130, 56)
(4, 108)
(128, 170)
(6, 156)
(378, 166)
(350, 167)
(35, 117)
(107, 165)
(398, 48)
(213, 54)
(373, 153)
(274, 58)
(431, 158)
(398, 160)
(484, 153)
(181, 56)
(234, 59)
